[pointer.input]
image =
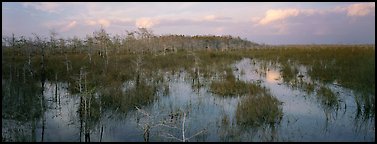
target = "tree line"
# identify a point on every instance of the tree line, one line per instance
(142, 40)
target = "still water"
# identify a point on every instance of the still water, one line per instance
(181, 110)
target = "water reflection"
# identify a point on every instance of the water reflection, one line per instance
(273, 76)
(21, 110)
(307, 102)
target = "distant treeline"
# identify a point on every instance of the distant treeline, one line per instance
(141, 40)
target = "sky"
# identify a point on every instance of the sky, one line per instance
(262, 22)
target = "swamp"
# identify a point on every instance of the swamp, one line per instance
(143, 87)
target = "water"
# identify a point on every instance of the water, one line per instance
(205, 116)
(304, 118)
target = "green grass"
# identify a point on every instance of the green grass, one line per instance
(259, 109)
(327, 97)
(229, 86)
(114, 98)
(351, 66)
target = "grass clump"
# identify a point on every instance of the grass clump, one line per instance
(257, 110)
(138, 95)
(327, 97)
(232, 87)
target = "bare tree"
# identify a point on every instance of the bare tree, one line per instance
(138, 63)
(150, 122)
(89, 43)
(53, 40)
(103, 41)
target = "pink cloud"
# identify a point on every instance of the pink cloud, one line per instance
(277, 15)
(209, 17)
(213, 18)
(69, 26)
(273, 15)
(360, 9)
(103, 22)
(61, 26)
(146, 22)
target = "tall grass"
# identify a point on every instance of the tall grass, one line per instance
(141, 61)
(259, 109)
(327, 97)
(229, 86)
(351, 66)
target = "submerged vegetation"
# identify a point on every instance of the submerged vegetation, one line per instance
(119, 73)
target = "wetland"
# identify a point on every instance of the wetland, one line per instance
(181, 88)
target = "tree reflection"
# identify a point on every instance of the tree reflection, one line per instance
(22, 106)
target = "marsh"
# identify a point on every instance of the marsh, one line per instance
(305, 93)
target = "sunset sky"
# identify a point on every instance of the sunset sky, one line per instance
(271, 23)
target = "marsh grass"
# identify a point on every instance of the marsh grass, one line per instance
(114, 98)
(350, 65)
(259, 109)
(327, 97)
(309, 87)
(229, 86)
(365, 106)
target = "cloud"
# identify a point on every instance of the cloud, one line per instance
(43, 6)
(278, 14)
(214, 18)
(209, 17)
(207, 20)
(349, 23)
(360, 9)
(219, 30)
(257, 21)
(103, 22)
(61, 26)
(146, 22)
(91, 22)
(69, 26)
(273, 15)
